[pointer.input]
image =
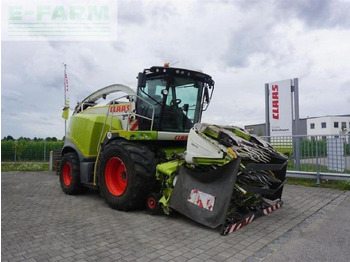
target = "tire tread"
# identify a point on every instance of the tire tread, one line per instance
(143, 161)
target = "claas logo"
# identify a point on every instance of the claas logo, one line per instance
(181, 137)
(275, 105)
(119, 108)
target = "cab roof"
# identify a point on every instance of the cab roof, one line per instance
(181, 72)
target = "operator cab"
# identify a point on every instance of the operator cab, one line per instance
(177, 96)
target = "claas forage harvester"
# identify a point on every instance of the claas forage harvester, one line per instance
(150, 148)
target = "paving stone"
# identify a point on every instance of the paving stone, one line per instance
(252, 259)
(15, 259)
(180, 259)
(175, 253)
(195, 260)
(203, 256)
(219, 258)
(189, 255)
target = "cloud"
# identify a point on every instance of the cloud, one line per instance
(319, 14)
(131, 12)
(242, 44)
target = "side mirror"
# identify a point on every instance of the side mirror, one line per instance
(141, 80)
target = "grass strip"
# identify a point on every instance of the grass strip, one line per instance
(24, 166)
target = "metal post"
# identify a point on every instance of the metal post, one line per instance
(51, 161)
(267, 112)
(348, 156)
(65, 97)
(15, 151)
(296, 123)
(44, 150)
(317, 171)
(308, 150)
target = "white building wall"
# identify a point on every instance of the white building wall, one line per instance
(329, 129)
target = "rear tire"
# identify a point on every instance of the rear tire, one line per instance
(126, 174)
(70, 174)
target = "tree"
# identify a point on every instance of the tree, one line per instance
(54, 139)
(20, 146)
(344, 131)
(8, 138)
(24, 138)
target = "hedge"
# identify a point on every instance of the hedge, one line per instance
(28, 150)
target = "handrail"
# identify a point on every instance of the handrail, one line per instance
(124, 114)
(103, 92)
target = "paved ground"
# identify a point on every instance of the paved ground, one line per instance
(41, 223)
(325, 239)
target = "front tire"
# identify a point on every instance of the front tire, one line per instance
(126, 174)
(70, 174)
(152, 204)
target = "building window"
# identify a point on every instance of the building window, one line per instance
(250, 130)
(323, 125)
(336, 124)
(312, 125)
(343, 124)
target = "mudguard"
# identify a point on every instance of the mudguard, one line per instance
(205, 196)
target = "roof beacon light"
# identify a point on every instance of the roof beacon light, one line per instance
(166, 64)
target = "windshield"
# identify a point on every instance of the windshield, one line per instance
(153, 91)
(184, 93)
(181, 108)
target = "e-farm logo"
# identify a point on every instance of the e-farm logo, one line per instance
(59, 20)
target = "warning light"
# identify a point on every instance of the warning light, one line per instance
(166, 64)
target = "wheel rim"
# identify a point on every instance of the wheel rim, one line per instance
(67, 176)
(116, 176)
(152, 203)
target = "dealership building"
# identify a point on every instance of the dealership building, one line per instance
(321, 125)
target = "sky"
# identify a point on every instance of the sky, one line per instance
(241, 44)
